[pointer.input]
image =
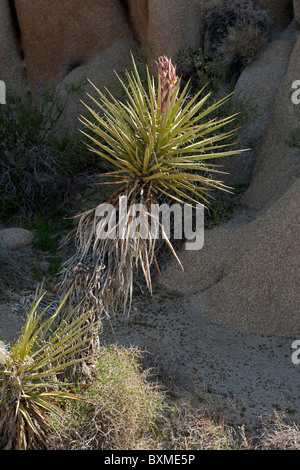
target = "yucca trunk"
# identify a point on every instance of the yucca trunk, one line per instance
(102, 269)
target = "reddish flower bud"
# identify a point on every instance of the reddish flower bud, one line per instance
(168, 80)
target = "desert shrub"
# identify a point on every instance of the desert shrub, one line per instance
(236, 30)
(40, 161)
(196, 67)
(242, 42)
(123, 406)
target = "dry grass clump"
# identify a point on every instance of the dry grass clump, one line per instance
(283, 437)
(185, 427)
(221, 16)
(243, 41)
(189, 428)
(126, 411)
(123, 406)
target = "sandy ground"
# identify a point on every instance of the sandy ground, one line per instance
(245, 376)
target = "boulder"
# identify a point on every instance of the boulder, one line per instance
(258, 83)
(279, 11)
(101, 72)
(296, 4)
(15, 238)
(139, 16)
(276, 165)
(255, 93)
(11, 63)
(58, 36)
(173, 25)
(247, 275)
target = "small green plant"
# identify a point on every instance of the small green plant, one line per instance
(293, 141)
(48, 234)
(30, 388)
(55, 264)
(198, 69)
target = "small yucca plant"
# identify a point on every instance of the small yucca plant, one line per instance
(30, 388)
(159, 142)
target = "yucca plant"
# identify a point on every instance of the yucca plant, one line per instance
(31, 390)
(159, 142)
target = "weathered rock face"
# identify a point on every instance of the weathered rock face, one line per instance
(59, 36)
(258, 84)
(173, 25)
(165, 28)
(11, 64)
(276, 166)
(139, 16)
(259, 292)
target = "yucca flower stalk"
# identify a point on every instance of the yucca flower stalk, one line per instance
(159, 142)
(168, 80)
(31, 382)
